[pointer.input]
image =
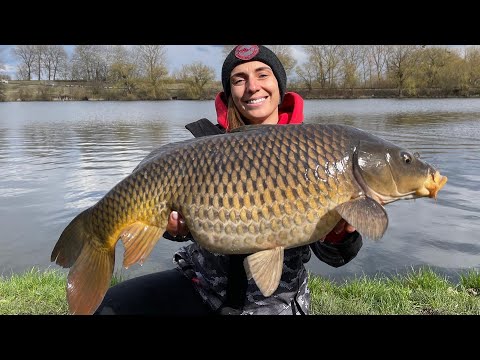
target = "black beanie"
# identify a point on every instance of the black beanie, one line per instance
(245, 53)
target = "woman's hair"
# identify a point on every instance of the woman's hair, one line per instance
(234, 117)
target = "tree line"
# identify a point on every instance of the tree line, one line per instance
(141, 70)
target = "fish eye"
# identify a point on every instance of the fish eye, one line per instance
(407, 157)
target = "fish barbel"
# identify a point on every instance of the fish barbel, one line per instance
(257, 190)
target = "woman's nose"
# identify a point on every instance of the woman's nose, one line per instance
(253, 85)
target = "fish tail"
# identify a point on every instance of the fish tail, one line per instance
(71, 241)
(91, 260)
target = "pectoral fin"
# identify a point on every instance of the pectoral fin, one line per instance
(139, 240)
(266, 269)
(366, 215)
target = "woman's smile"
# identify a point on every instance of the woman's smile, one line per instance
(257, 101)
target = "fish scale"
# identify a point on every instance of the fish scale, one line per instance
(263, 191)
(257, 190)
(261, 223)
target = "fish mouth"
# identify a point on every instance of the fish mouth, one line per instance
(432, 185)
(385, 199)
(430, 188)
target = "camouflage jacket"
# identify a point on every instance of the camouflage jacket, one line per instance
(209, 274)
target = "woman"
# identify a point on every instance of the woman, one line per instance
(205, 283)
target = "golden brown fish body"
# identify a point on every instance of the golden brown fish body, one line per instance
(256, 191)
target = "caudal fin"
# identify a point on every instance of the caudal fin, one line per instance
(89, 279)
(91, 261)
(71, 241)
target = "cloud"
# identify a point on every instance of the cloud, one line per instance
(8, 69)
(210, 55)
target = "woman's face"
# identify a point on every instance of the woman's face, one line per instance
(255, 92)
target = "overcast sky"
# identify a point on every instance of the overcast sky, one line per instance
(177, 56)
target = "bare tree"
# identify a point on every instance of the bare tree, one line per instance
(121, 53)
(455, 74)
(88, 63)
(401, 64)
(152, 61)
(350, 59)
(284, 54)
(113, 54)
(307, 74)
(324, 59)
(82, 62)
(123, 74)
(472, 60)
(365, 66)
(40, 51)
(26, 55)
(379, 56)
(124, 69)
(332, 59)
(22, 72)
(54, 56)
(197, 76)
(2, 65)
(65, 70)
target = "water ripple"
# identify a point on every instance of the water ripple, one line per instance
(60, 159)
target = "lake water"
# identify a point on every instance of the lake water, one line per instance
(58, 158)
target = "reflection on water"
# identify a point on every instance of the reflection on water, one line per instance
(57, 159)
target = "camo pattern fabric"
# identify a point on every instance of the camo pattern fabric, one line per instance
(208, 272)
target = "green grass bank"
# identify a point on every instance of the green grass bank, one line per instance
(419, 292)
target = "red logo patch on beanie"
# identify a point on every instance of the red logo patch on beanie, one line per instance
(246, 52)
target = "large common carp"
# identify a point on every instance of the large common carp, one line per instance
(257, 190)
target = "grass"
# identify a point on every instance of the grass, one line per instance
(419, 292)
(36, 292)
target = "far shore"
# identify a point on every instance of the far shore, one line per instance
(21, 90)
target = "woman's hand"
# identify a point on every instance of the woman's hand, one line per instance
(339, 232)
(343, 225)
(176, 225)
